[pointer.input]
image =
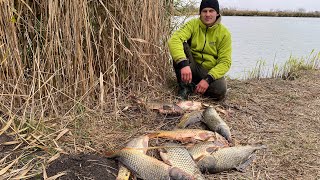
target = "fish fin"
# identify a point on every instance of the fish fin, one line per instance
(199, 158)
(177, 173)
(123, 173)
(211, 150)
(242, 167)
(187, 140)
(111, 153)
(263, 147)
(164, 156)
(189, 145)
(152, 135)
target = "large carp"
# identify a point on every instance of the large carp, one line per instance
(238, 157)
(140, 144)
(189, 135)
(146, 167)
(190, 118)
(215, 123)
(178, 156)
(169, 108)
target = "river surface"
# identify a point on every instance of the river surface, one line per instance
(272, 40)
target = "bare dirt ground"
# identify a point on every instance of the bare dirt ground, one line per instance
(282, 114)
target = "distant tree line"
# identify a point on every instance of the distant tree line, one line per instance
(190, 7)
(277, 13)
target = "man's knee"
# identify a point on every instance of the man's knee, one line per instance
(217, 94)
(217, 90)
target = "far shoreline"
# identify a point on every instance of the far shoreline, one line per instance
(232, 12)
(235, 12)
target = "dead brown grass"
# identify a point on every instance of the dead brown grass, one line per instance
(57, 55)
(282, 114)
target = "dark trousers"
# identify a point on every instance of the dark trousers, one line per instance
(216, 90)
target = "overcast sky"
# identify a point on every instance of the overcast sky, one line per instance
(308, 5)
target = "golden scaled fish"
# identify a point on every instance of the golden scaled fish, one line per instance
(146, 167)
(178, 156)
(162, 108)
(189, 135)
(215, 123)
(190, 118)
(134, 158)
(238, 157)
(141, 144)
(169, 108)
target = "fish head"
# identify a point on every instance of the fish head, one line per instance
(140, 142)
(209, 112)
(178, 174)
(207, 164)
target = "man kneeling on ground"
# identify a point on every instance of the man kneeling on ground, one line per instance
(201, 50)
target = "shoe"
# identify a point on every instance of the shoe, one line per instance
(185, 90)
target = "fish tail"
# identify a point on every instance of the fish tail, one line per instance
(153, 135)
(263, 146)
(259, 147)
(111, 154)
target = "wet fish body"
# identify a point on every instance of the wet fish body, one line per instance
(238, 157)
(163, 108)
(188, 135)
(140, 144)
(179, 157)
(215, 123)
(144, 166)
(190, 105)
(190, 118)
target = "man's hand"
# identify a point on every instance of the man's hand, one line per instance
(186, 74)
(202, 86)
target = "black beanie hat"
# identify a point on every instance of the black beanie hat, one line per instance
(209, 4)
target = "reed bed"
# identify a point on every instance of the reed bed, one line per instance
(63, 62)
(288, 70)
(58, 54)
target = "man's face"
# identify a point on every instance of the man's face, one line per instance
(208, 16)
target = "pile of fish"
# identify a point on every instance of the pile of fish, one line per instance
(198, 151)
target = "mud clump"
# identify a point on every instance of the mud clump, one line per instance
(83, 166)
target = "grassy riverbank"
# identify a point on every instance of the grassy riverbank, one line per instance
(282, 113)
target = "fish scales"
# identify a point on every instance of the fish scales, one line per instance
(188, 135)
(179, 157)
(144, 166)
(227, 158)
(215, 123)
(190, 118)
(141, 143)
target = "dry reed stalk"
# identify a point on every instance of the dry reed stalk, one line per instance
(60, 57)
(53, 52)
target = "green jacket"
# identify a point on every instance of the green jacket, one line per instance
(210, 46)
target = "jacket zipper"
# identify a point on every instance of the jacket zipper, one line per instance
(205, 41)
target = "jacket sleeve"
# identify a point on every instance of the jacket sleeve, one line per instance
(224, 57)
(176, 41)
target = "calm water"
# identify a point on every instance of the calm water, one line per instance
(270, 39)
